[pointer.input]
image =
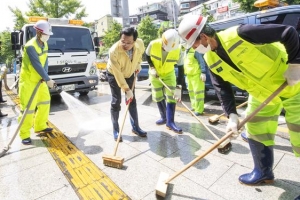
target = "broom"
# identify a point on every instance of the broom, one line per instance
(113, 160)
(216, 118)
(163, 181)
(225, 146)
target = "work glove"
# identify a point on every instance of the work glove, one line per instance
(232, 125)
(51, 83)
(292, 74)
(153, 72)
(203, 77)
(129, 96)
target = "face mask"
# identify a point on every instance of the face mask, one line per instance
(45, 38)
(201, 49)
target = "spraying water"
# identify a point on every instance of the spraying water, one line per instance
(87, 118)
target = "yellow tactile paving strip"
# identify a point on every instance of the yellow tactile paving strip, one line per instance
(88, 181)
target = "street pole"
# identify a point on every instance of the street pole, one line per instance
(174, 17)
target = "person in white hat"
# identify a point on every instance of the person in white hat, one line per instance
(34, 69)
(252, 59)
(162, 54)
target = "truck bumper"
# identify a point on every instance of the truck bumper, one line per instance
(80, 83)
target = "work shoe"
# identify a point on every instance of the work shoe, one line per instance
(244, 136)
(2, 101)
(197, 114)
(46, 130)
(139, 132)
(2, 115)
(121, 139)
(297, 198)
(26, 141)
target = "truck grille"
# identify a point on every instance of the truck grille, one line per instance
(67, 69)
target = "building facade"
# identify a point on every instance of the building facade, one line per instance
(103, 24)
(219, 9)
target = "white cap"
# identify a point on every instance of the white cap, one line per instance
(190, 27)
(43, 27)
(170, 40)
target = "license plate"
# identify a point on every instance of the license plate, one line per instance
(68, 87)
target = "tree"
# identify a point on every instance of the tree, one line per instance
(210, 17)
(112, 35)
(56, 8)
(147, 30)
(6, 54)
(49, 8)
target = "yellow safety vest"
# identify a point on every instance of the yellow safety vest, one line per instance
(156, 57)
(191, 65)
(262, 66)
(28, 73)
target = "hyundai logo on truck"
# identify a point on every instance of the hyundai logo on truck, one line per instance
(66, 69)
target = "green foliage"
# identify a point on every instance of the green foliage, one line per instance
(19, 20)
(210, 17)
(247, 5)
(6, 54)
(49, 8)
(147, 30)
(112, 35)
(56, 8)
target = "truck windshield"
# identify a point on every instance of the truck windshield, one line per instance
(66, 39)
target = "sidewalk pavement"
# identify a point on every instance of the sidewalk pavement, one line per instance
(30, 172)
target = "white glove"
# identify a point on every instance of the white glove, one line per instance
(203, 77)
(51, 83)
(153, 72)
(292, 74)
(232, 125)
(129, 96)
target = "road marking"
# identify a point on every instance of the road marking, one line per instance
(87, 180)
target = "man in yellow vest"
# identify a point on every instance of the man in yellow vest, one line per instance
(195, 70)
(251, 58)
(34, 69)
(162, 55)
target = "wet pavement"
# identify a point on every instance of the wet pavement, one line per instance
(30, 172)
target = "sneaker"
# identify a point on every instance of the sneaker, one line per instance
(46, 130)
(26, 141)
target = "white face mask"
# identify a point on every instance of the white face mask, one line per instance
(202, 49)
(45, 38)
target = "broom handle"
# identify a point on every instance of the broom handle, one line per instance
(241, 124)
(124, 118)
(239, 106)
(215, 136)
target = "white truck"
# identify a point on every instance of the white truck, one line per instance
(71, 53)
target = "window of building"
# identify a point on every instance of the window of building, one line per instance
(185, 5)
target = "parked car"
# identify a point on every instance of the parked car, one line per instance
(143, 75)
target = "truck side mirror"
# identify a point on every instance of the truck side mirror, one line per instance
(14, 39)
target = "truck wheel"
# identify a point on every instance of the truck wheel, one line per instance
(83, 93)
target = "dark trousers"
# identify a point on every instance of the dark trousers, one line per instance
(180, 78)
(116, 96)
(1, 98)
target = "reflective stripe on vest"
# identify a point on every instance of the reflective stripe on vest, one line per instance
(27, 70)
(156, 57)
(191, 65)
(262, 66)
